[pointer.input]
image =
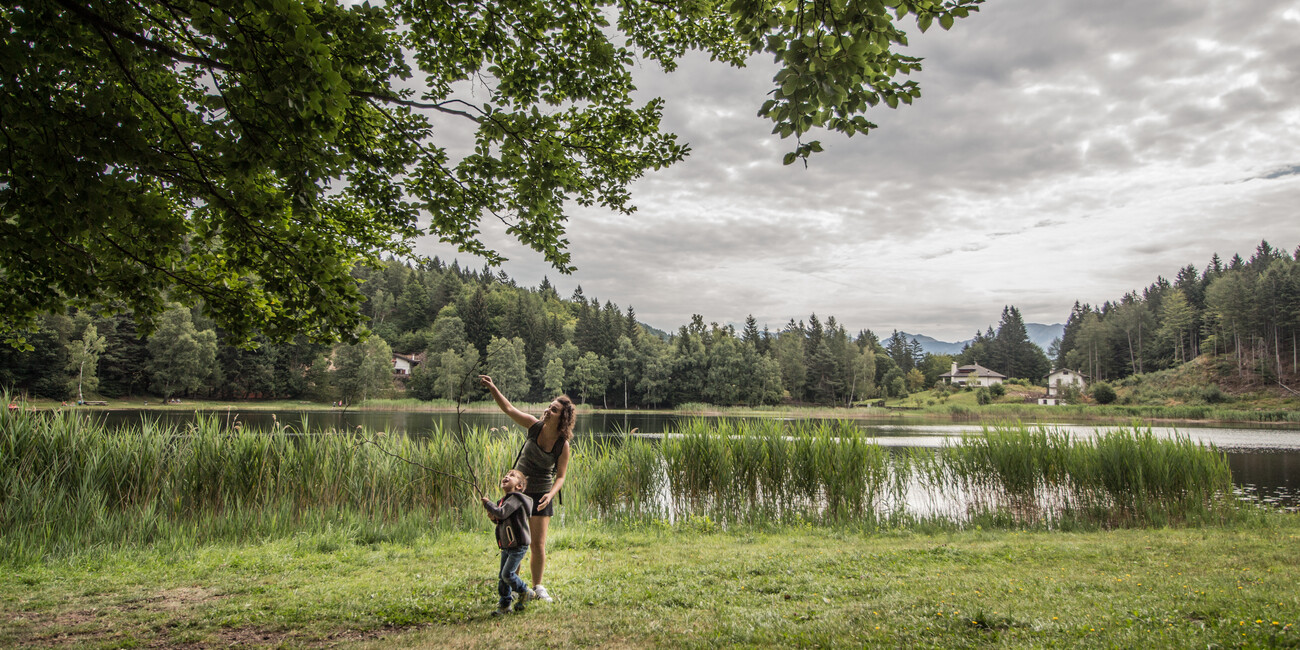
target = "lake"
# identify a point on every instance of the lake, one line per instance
(1265, 459)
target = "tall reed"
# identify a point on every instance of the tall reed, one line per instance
(1123, 476)
(65, 480)
(68, 484)
(767, 470)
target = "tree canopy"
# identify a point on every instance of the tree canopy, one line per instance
(246, 156)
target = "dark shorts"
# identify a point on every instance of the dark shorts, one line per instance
(548, 511)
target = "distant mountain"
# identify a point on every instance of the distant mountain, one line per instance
(1040, 334)
(654, 331)
(935, 346)
(1044, 334)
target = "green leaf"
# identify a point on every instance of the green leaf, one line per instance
(320, 133)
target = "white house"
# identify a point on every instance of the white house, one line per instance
(403, 363)
(1062, 378)
(972, 375)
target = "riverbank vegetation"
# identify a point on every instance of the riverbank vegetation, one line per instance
(67, 484)
(753, 532)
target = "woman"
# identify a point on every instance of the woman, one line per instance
(544, 460)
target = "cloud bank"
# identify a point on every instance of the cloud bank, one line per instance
(1062, 151)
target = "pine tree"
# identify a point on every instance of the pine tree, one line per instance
(478, 327)
(750, 334)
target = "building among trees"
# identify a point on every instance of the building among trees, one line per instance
(1063, 378)
(972, 375)
(404, 363)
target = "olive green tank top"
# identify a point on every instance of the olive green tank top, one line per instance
(537, 464)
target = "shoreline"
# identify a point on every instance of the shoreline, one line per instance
(992, 414)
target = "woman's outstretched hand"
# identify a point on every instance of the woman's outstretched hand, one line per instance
(486, 381)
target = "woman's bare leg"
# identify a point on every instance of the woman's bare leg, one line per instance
(537, 554)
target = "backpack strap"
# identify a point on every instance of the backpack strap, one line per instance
(519, 455)
(528, 435)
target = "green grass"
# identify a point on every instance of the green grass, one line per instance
(788, 535)
(689, 585)
(755, 471)
(68, 483)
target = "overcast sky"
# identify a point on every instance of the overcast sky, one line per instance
(1061, 151)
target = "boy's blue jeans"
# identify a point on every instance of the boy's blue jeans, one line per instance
(508, 579)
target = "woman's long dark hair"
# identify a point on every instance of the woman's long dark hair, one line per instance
(567, 416)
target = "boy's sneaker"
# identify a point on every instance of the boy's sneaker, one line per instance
(524, 596)
(539, 592)
(501, 611)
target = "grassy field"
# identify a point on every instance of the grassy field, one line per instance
(69, 483)
(204, 537)
(691, 585)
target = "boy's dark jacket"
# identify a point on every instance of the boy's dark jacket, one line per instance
(511, 513)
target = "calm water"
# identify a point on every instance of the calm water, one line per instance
(1265, 460)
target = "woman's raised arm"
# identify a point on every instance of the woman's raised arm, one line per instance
(523, 419)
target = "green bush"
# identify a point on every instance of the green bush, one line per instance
(998, 390)
(983, 397)
(1212, 394)
(1070, 393)
(1103, 393)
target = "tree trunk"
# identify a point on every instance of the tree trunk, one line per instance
(1277, 351)
(1132, 363)
(1236, 344)
(1139, 346)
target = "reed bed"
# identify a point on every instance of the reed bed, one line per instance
(1125, 476)
(772, 471)
(67, 481)
(746, 472)
(67, 484)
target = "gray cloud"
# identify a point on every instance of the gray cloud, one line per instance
(1279, 173)
(1061, 151)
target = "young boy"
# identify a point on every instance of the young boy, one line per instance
(511, 514)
